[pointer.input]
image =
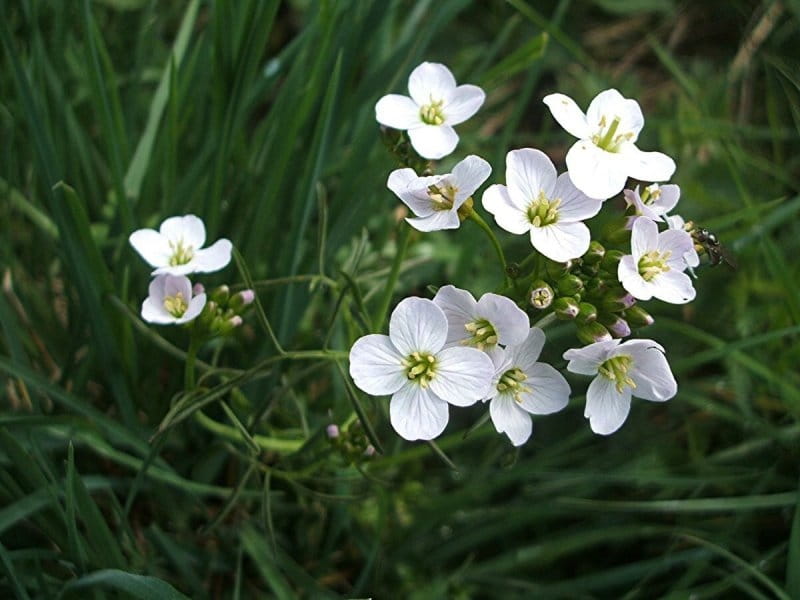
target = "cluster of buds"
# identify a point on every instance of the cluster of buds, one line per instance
(587, 291)
(351, 442)
(223, 312)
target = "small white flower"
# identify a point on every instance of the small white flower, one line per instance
(634, 368)
(435, 200)
(171, 301)
(522, 387)
(605, 154)
(492, 320)
(550, 208)
(413, 366)
(435, 105)
(676, 222)
(655, 201)
(655, 267)
(177, 247)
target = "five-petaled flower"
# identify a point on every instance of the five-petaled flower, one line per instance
(435, 105)
(176, 247)
(522, 387)
(171, 301)
(538, 201)
(656, 264)
(654, 201)
(422, 376)
(605, 154)
(634, 368)
(435, 200)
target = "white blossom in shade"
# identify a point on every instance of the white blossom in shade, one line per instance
(171, 301)
(523, 387)
(435, 105)
(633, 368)
(537, 201)
(676, 222)
(435, 200)
(482, 324)
(177, 247)
(412, 365)
(654, 269)
(605, 154)
(654, 201)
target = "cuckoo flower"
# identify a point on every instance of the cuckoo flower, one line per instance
(171, 301)
(654, 202)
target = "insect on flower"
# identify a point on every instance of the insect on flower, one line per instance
(709, 242)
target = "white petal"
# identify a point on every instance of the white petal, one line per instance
(433, 141)
(437, 221)
(611, 104)
(632, 281)
(510, 322)
(459, 307)
(549, 390)
(509, 419)
(462, 103)
(189, 229)
(415, 195)
(507, 215)
(399, 179)
(463, 375)
(526, 354)
(597, 173)
(194, 309)
(398, 112)
(644, 237)
(151, 246)
(606, 408)
(177, 284)
(529, 172)
(586, 360)
(417, 324)
(153, 312)
(430, 82)
(213, 258)
(156, 289)
(416, 414)
(568, 114)
(562, 241)
(470, 174)
(633, 198)
(575, 205)
(646, 166)
(651, 373)
(674, 287)
(677, 242)
(668, 198)
(376, 365)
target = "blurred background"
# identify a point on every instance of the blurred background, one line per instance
(258, 116)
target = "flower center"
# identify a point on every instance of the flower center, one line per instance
(181, 254)
(442, 198)
(176, 305)
(420, 367)
(543, 212)
(511, 383)
(651, 194)
(653, 263)
(482, 332)
(431, 114)
(607, 137)
(616, 369)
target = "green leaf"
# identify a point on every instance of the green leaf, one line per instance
(137, 586)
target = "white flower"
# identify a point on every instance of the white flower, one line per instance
(522, 387)
(435, 105)
(171, 301)
(492, 320)
(176, 247)
(655, 267)
(435, 200)
(655, 201)
(634, 368)
(691, 257)
(413, 366)
(605, 154)
(550, 208)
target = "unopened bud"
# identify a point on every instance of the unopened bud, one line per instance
(589, 333)
(209, 313)
(332, 431)
(594, 254)
(542, 295)
(587, 314)
(611, 260)
(242, 299)
(617, 326)
(566, 308)
(369, 451)
(198, 288)
(569, 285)
(637, 317)
(221, 294)
(617, 302)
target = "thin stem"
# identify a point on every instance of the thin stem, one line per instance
(191, 356)
(233, 434)
(402, 247)
(545, 320)
(488, 230)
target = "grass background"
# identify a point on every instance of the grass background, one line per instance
(259, 117)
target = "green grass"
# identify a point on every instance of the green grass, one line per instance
(258, 116)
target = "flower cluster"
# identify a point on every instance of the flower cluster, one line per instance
(456, 350)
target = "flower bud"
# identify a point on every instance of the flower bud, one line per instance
(637, 317)
(542, 294)
(617, 326)
(332, 431)
(566, 308)
(569, 285)
(618, 301)
(221, 294)
(589, 333)
(369, 451)
(611, 260)
(594, 254)
(239, 301)
(555, 270)
(587, 314)
(206, 318)
(198, 288)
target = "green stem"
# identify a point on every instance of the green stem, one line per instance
(264, 442)
(545, 321)
(191, 356)
(483, 225)
(402, 246)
